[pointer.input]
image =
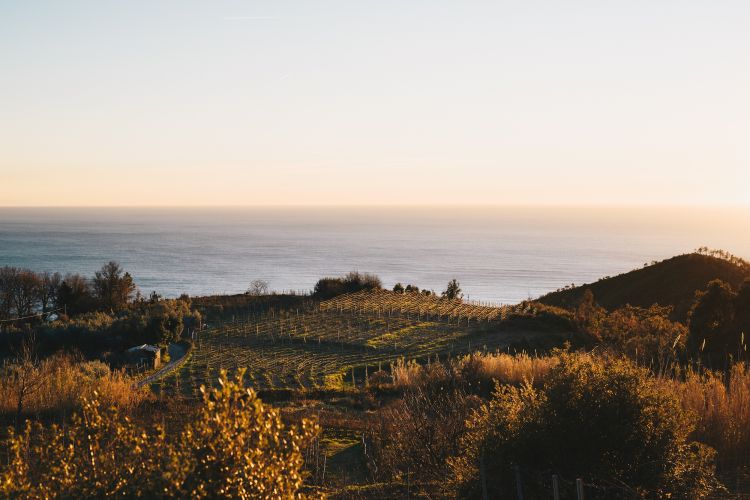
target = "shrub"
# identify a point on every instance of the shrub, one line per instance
(646, 335)
(418, 433)
(235, 448)
(56, 384)
(604, 420)
(355, 281)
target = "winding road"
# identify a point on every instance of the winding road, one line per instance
(177, 355)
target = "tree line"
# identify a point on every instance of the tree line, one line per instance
(27, 296)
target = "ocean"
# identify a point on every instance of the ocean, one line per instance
(498, 254)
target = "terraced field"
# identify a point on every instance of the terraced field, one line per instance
(337, 343)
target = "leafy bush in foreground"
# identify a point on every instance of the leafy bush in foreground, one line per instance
(236, 448)
(605, 421)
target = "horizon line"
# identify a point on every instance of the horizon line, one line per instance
(391, 205)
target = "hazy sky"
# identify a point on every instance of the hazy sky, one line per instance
(327, 102)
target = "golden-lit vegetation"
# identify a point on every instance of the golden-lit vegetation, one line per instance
(418, 394)
(601, 419)
(56, 384)
(236, 447)
(384, 302)
(721, 403)
(417, 434)
(351, 336)
(501, 367)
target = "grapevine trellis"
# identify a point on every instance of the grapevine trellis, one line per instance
(337, 342)
(384, 302)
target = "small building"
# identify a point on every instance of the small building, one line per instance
(148, 355)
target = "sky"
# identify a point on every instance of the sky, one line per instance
(374, 102)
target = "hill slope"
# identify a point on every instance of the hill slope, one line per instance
(672, 282)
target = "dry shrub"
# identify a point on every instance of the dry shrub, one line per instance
(417, 434)
(58, 383)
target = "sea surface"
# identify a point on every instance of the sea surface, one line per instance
(499, 255)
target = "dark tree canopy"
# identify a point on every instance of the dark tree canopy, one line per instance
(719, 321)
(112, 288)
(355, 281)
(453, 291)
(75, 294)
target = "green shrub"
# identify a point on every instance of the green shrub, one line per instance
(603, 420)
(327, 288)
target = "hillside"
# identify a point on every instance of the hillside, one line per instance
(672, 282)
(342, 340)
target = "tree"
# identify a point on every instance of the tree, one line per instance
(742, 308)
(25, 376)
(713, 332)
(589, 316)
(166, 320)
(453, 291)
(112, 288)
(49, 289)
(258, 287)
(398, 288)
(412, 289)
(21, 290)
(75, 295)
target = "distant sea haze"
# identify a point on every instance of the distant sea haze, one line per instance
(499, 255)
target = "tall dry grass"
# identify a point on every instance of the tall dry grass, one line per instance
(58, 383)
(506, 368)
(721, 404)
(502, 367)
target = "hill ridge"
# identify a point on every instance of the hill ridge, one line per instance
(670, 282)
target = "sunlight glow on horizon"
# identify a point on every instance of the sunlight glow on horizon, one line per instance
(289, 103)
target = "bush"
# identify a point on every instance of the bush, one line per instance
(235, 448)
(417, 434)
(645, 335)
(327, 288)
(55, 385)
(603, 420)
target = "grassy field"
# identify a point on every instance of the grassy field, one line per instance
(338, 343)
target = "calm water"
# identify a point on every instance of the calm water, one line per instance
(498, 254)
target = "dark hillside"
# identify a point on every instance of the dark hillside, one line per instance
(671, 282)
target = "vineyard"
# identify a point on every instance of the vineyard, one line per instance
(383, 302)
(336, 343)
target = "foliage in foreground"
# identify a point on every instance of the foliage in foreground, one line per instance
(604, 420)
(237, 447)
(56, 384)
